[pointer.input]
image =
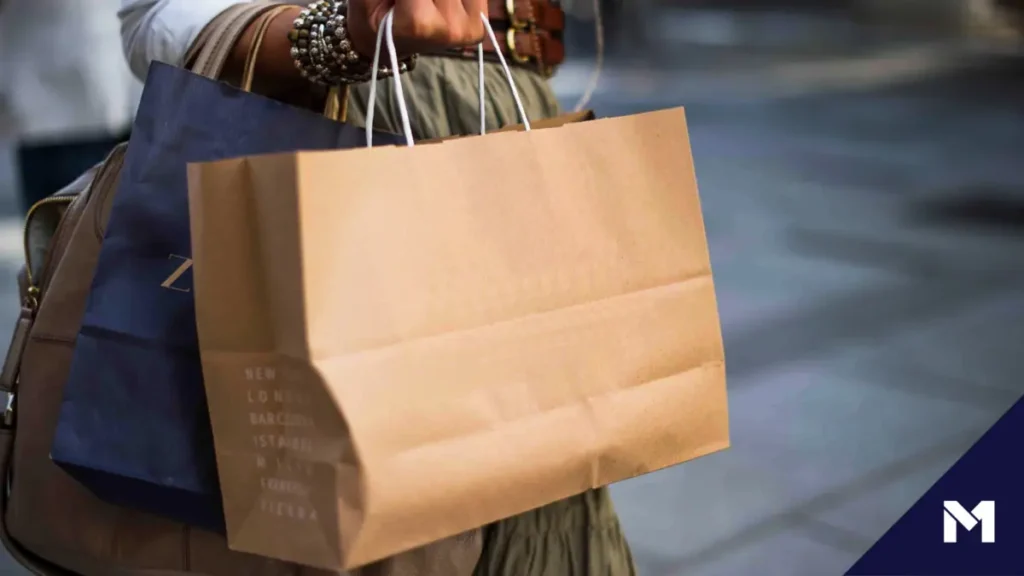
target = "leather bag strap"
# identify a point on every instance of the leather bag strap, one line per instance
(211, 49)
(262, 25)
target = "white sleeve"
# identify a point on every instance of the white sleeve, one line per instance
(164, 29)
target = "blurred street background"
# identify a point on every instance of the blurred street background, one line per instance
(861, 168)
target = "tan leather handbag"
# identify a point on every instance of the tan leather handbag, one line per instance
(48, 522)
(51, 524)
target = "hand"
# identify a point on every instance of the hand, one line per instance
(419, 26)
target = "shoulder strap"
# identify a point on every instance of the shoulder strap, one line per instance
(210, 51)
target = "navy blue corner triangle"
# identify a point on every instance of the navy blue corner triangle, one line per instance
(980, 498)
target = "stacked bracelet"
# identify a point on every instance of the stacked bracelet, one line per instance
(323, 52)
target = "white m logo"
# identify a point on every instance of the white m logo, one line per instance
(984, 513)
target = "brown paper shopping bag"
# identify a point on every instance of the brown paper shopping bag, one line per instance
(400, 344)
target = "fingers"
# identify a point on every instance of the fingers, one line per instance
(438, 23)
(463, 18)
(419, 25)
(475, 7)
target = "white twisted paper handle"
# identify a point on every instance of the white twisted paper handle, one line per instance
(386, 32)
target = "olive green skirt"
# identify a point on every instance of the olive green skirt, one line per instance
(580, 536)
(443, 99)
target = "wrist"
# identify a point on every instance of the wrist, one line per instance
(273, 62)
(324, 50)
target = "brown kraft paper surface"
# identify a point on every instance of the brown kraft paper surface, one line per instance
(403, 344)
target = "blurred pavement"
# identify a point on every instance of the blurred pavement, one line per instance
(865, 207)
(865, 210)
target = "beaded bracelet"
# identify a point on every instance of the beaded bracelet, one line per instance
(322, 51)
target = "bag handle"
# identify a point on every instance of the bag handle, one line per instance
(212, 48)
(386, 32)
(214, 45)
(263, 24)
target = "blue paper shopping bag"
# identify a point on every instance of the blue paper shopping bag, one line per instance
(133, 424)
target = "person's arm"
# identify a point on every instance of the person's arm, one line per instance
(274, 62)
(164, 29)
